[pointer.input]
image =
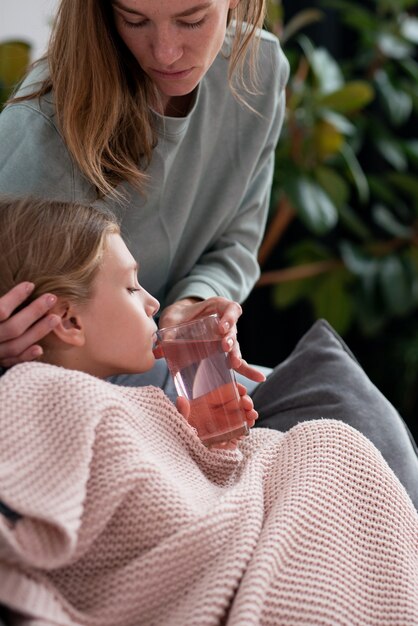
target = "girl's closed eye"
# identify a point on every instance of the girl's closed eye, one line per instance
(133, 289)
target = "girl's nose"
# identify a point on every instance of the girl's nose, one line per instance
(153, 306)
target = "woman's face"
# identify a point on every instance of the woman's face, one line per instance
(174, 41)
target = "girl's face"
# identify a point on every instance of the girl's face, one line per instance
(118, 320)
(174, 41)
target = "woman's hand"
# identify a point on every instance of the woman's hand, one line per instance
(20, 332)
(246, 403)
(228, 312)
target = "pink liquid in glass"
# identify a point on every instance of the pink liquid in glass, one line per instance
(201, 374)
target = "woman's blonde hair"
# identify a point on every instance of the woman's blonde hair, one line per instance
(102, 96)
(56, 245)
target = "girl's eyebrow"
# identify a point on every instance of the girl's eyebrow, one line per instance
(195, 9)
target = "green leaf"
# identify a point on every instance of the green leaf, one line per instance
(396, 288)
(409, 28)
(352, 97)
(353, 223)
(386, 220)
(410, 66)
(288, 293)
(405, 182)
(411, 149)
(14, 61)
(357, 261)
(334, 185)
(394, 47)
(340, 122)
(299, 21)
(382, 189)
(356, 172)
(314, 206)
(307, 251)
(369, 310)
(274, 12)
(332, 301)
(325, 68)
(392, 153)
(353, 14)
(397, 103)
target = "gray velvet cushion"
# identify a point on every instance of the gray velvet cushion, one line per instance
(322, 379)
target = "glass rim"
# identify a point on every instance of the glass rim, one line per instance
(189, 323)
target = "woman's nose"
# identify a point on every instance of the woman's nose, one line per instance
(167, 48)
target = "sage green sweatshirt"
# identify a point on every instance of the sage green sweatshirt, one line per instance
(198, 229)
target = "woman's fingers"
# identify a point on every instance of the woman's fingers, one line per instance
(250, 372)
(24, 348)
(12, 326)
(191, 308)
(19, 332)
(14, 298)
(247, 405)
(183, 407)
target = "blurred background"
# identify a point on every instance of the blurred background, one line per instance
(341, 242)
(342, 238)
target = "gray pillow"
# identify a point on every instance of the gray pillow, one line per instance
(322, 379)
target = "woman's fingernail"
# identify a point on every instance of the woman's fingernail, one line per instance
(29, 287)
(37, 352)
(51, 300)
(226, 326)
(230, 342)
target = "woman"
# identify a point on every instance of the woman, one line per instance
(112, 511)
(141, 107)
(149, 108)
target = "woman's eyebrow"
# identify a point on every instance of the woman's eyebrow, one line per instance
(195, 9)
(190, 11)
(119, 5)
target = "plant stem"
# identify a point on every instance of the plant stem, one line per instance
(298, 272)
(283, 216)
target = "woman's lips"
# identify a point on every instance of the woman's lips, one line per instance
(172, 75)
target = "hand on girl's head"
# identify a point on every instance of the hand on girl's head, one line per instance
(20, 332)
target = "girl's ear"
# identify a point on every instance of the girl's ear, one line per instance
(70, 329)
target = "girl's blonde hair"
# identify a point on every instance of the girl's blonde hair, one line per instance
(102, 96)
(56, 245)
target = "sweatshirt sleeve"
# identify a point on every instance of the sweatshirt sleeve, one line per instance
(229, 267)
(33, 156)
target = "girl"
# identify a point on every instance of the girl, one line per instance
(112, 511)
(168, 113)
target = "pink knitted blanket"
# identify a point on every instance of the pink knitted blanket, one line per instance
(128, 519)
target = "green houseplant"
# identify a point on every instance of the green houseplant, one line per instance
(14, 60)
(343, 231)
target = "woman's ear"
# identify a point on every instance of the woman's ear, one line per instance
(70, 329)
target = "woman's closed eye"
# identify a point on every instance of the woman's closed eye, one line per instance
(197, 24)
(143, 23)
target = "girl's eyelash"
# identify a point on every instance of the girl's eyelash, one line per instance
(133, 289)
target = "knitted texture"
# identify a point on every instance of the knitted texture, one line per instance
(128, 519)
